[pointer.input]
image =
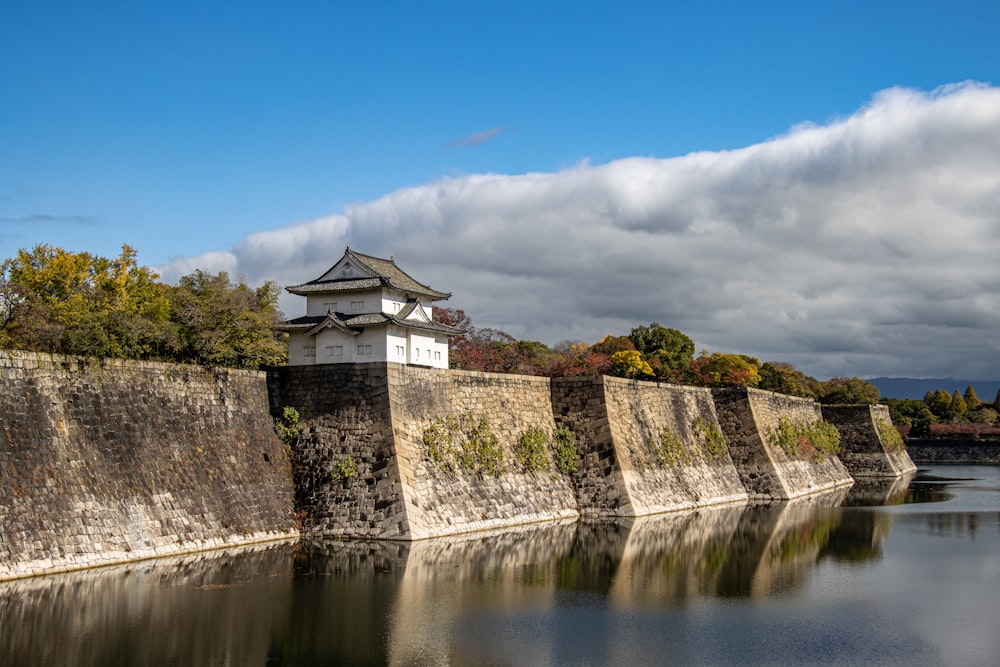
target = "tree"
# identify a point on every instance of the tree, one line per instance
(453, 318)
(611, 344)
(785, 379)
(971, 400)
(629, 364)
(723, 370)
(53, 300)
(671, 349)
(958, 404)
(222, 324)
(910, 412)
(579, 359)
(939, 403)
(848, 390)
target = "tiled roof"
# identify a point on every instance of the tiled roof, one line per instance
(355, 323)
(383, 272)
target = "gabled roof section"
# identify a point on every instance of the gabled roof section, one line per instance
(357, 271)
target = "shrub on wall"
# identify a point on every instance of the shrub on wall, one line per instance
(287, 425)
(530, 450)
(713, 442)
(564, 451)
(669, 449)
(439, 439)
(818, 440)
(891, 437)
(345, 469)
(467, 440)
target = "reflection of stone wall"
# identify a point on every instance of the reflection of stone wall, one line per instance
(104, 462)
(129, 614)
(747, 416)
(861, 448)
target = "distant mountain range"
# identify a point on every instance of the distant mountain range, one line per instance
(986, 390)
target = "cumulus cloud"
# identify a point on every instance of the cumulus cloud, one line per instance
(866, 246)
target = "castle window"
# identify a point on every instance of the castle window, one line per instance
(308, 350)
(330, 306)
(364, 350)
(357, 306)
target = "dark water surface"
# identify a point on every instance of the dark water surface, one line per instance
(876, 576)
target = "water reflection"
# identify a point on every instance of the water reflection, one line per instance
(459, 600)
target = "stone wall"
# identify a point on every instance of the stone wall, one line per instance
(445, 496)
(747, 417)
(958, 451)
(376, 415)
(115, 461)
(627, 470)
(346, 423)
(862, 449)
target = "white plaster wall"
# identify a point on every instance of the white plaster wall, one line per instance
(396, 337)
(296, 354)
(327, 341)
(319, 304)
(428, 350)
(392, 302)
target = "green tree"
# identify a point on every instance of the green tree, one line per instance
(939, 403)
(785, 379)
(53, 300)
(971, 400)
(848, 390)
(611, 344)
(671, 349)
(222, 324)
(958, 404)
(910, 412)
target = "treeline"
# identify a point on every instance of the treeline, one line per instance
(651, 352)
(56, 301)
(941, 413)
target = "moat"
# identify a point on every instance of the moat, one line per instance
(875, 575)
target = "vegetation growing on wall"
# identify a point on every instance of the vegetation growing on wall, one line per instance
(287, 425)
(564, 452)
(531, 450)
(669, 449)
(464, 442)
(345, 469)
(713, 442)
(891, 438)
(818, 440)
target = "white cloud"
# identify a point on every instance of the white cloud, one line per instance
(865, 246)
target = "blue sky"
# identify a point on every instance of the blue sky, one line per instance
(220, 135)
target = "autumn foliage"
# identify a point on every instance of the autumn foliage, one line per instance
(650, 352)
